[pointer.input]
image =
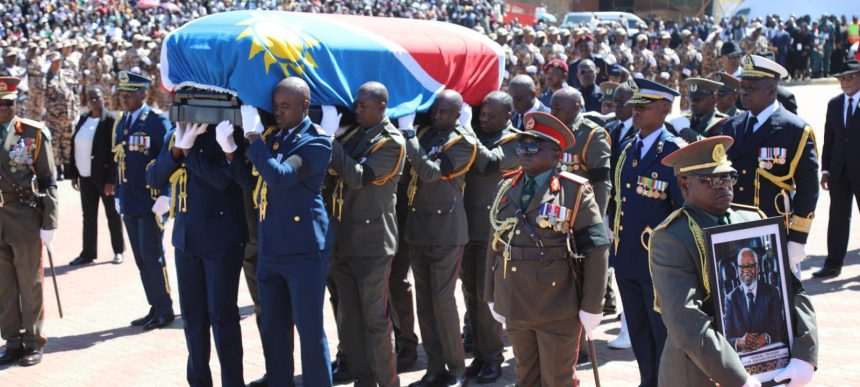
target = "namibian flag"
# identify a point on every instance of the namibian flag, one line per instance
(246, 53)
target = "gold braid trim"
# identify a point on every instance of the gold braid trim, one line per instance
(467, 166)
(782, 181)
(616, 223)
(801, 224)
(412, 188)
(261, 191)
(178, 183)
(384, 179)
(503, 230)
(118, 150)
(698, 237)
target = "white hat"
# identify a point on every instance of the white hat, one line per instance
(754, 66)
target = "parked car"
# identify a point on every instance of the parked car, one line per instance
(592, 19)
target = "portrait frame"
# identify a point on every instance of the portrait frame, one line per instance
(753, 304)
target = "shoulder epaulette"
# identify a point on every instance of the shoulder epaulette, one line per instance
(319, 130)
(574, 178)
(749, 208)
(669, 219)
(591, 124)
(507, 138)
(512, 174)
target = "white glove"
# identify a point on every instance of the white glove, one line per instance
(680, 122)
(161, 206)
(185, 139)
(330, 119)
(589, 322)
(251, 123)
(406, 122)
(796, 254)
(498, 317)
(752, 382)
(116, 204)
(465, 116)
(608, 226)
(224, 136)
(798, 370)
(47, 237)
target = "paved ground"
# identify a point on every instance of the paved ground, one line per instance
(93, 344)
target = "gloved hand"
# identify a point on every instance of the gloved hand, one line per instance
(798, 370)
(189, 135)
(465, 118)
(330, 119)
(161, 206)
(406, 122)
(224, 136)
(251, 123)
(498, 317)
(116, 204)
(608, 228)
(796, 254)
(589, 322)
(752, 382)
(47, 237)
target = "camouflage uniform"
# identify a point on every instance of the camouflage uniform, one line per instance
(690, 59)
(711, 56)
(36, 79)
(623, 54)
(156, 94)
(752, 45)
(644, 61)
(61, 106)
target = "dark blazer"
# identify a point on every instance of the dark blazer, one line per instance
(764, 318)
(103, 165)
(517, 118)
(836, 156)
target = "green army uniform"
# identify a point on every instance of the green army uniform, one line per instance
(589, 157)
(366, 166)
(533, 277)
(437, 230)
(730, 84)
(27, 172)
(709, 124)
(696, 353)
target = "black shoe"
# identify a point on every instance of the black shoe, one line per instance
(429, 380)
(143, 320)
(468, 343)
(474, 367)
(12, 355)
(158, 322)
(406, 359)
(340, 372)
(32, 356)
(458, 381)
(582, 358)
(81, 261)
(261, 382)
(827, 272)
(490, 373)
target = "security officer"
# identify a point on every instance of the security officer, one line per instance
(589, 156)
(497, 136)
(138, 138)
(621, 129)
(776, 154)
(289, 163)
(28, 213)
(727, 94)
(549, 248)
(695, 353)
(366, 164)
(440, 156)
(607, 102)
(645, 194)
(208, 259)
(704, 118)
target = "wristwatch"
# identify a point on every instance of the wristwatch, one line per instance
(408, 133)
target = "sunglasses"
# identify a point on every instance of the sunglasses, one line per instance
(723, 179)
(7, 103)
(530, 148)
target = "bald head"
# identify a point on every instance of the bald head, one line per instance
(294, 85)
(566, 104)
(290, 102)
(370, 103)
(374, 90)
(446, 110)
(586, 71)
(523, 91)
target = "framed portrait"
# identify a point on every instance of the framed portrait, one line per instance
(749, 269)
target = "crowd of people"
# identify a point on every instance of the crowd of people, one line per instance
(562, 175)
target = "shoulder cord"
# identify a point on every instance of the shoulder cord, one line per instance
(616, 223)
(262, 189)
(503, 230)
(698, 237)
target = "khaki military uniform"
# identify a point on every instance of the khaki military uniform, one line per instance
(156, 94)
(707, 126)
(537, 281)
(667, 60)
(711, 56)
(589, 158)
(696, 354)
(27, 165)
(690, 59)
(36, 81)
(644, 61)
(752, 45)
(365, 168)
(623, 54)
(526, 54)
(61, 109)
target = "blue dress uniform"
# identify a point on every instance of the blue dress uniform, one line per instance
(776, 158)
(209, 235)
(294, 249)
(138, 139)
(646, 192)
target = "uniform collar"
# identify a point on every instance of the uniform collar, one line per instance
(650, 139)
(764, 114)
(541, 178)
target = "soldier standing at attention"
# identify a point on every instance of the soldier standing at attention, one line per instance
(727, 94)
(138, 137)
(440, 155)
(645, 194)
(705, 120)
(549, 248)
(28, 215)
(366, 165)
(60, 109)
(695, 353)
(36, 79)
(776, 154)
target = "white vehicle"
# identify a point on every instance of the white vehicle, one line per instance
(592, 19)
(786, 8)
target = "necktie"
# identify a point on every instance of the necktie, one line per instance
(750, 300)
(850, 110)
(748, 131)
(3, 130)
(528, 192)
(519, 121)
(637, 152)
(128, 121)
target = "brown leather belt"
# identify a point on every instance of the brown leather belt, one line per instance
(14, 197)
(538, 253)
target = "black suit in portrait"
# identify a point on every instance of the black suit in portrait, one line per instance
(763, 318)
(102, 171)
(841, 159)
(517, 118)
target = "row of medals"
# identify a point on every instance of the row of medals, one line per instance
(651, 192)
(765, 164)
(551, 220)
(569, 163)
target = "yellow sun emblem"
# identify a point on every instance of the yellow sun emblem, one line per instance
(280, 43)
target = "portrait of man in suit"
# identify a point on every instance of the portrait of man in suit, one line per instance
(753, 308)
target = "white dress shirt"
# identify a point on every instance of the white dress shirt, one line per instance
(84, 146)
(763, 115)
(649, 140)
(845, 109)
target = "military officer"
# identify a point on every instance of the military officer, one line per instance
(138, 138)
(289, 162)
(705, 120)
(643, 58)
(549, 248)
(589, 156)
(607, 102)
(776, 154)
(28, 213)
(199, 166)
(696, 354)
(645, 194)
(366, 164)
(727, 94)
(60, 108)
(710, 50)
(497, 136)
(440, 156)
(36, 79)
(621, 128)
(555, 78)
